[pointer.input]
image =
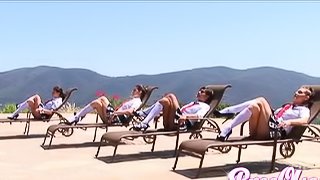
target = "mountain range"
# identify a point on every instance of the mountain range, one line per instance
(277, 85)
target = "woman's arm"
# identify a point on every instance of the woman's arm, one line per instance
(124, 112)
(295, 122)
(46, 111)
(190, 117)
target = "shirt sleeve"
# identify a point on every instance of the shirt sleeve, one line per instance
(135, 104)
(304, 112)
(56, 103)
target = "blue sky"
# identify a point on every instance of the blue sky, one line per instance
(118, 39)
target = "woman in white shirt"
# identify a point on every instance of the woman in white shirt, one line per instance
(104, 109)
(260, 115)
(173, 115)
(37, 108)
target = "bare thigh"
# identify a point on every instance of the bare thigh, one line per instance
(259, 121)
(100, 105)
(34, 103)
(169, 111)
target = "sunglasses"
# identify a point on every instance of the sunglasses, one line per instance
(205, 91)
(301, 93)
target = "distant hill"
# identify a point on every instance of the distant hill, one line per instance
(277, 85)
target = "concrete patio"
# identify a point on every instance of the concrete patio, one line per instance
(22, 157)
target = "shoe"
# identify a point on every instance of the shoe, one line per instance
(226, 115)
(224, 138)
(140, 127)
(75, 121)
(69, 123)
(13, 117)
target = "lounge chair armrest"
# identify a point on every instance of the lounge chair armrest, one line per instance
(58, 114)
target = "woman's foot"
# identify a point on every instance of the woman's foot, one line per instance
(74, 121)
(14, 117)
(226, 115)
(225, 137)
(140, 127)
(70, 123)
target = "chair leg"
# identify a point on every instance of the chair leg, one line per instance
(51, 138)
(98, 150)
(239, 154)
(95, 131)
(25, 128)
(114, 152)
(45, 138)
(200, 165)
(176, 161)
(156, 123)
(154, 143)
(95, 134)
(273, 160)
(177, 143)
(28, 129)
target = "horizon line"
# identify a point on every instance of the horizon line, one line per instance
(198, 68)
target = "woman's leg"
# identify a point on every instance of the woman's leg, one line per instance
(237, 108)
(145, 112)
(251, 112)
(259, 121)
(103, 112)
(32, 103)
(153, 112)
(99, 105)
(170, 105)
(161, 105)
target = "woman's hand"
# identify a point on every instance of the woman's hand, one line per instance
(284, 124)
(40, 110)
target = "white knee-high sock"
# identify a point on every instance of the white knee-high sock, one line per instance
(236, 108)
(155, 111)
(147, 110)
(87, 109)
(24, 105)
(243, 116)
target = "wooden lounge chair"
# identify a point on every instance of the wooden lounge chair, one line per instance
(199, 147)
(114, 138)
(29, 119)
(67, 130)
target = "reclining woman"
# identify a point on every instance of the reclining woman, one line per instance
(173, 115)
(262, 118)
(104, 108)
(39, 109)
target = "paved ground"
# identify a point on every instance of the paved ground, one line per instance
(22, 157)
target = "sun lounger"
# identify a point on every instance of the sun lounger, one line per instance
(114, 138)
(199, 147)
(67, 130)
(29, 119)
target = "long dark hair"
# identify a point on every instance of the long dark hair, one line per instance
(142, 89)
(60, 91)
